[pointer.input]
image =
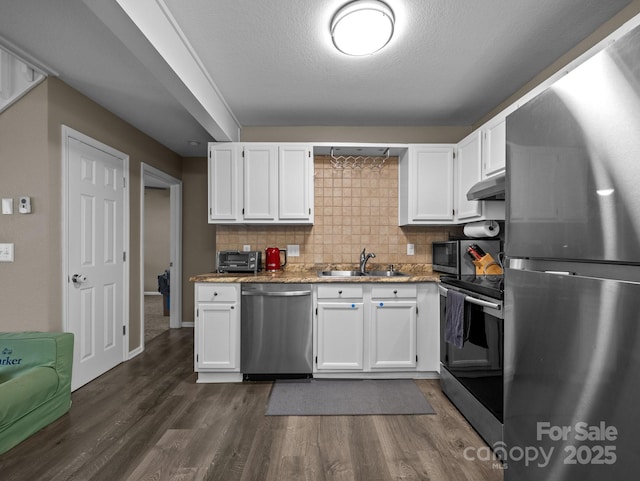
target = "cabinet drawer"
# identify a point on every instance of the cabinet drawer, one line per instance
(216, 293)
(339, 291)
(396, 291)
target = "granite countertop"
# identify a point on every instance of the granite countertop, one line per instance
(309, 274)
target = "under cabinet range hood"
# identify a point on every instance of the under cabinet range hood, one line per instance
(491, 188)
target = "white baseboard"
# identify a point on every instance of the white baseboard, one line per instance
(152, 293)
(134, 353)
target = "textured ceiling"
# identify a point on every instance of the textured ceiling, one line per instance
(449, 63)
(273, 63)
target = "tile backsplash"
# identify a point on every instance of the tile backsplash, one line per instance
(354, 209)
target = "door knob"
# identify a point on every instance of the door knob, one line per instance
(78, 278)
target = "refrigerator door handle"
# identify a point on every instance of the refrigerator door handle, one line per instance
(473, 300)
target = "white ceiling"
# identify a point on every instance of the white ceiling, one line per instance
(201, 69)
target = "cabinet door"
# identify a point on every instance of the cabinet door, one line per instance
(431, 184)
(295, 171)
(260, 182)
(225, 174)
(340, 336)
(468, 172)
(217, 337)
(495, 146)
(393, 334)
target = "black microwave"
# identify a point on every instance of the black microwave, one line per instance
(450, 256)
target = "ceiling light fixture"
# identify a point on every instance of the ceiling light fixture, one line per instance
(362, 27)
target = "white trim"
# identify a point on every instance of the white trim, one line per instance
(175, 257)
(196, 89)
(188, 324)
(151, 293)
(218, 377)
(138, 350)
(67, 133)
(27, 58)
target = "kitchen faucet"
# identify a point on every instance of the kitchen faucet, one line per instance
(364, 257)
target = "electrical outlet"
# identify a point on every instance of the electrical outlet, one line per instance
(411, 249)
(246, 248)
(6, 252)
(293, 250)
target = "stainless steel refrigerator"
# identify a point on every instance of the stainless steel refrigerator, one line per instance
(572, 286)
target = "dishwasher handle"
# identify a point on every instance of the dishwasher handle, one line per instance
(277, 294)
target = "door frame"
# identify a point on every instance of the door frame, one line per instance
(67, 133)
(147, 173)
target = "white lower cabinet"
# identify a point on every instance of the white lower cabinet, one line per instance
(340, 327)
(360, 330)
(374, 328)
(393, 328)
(217, 332)
(340, 335)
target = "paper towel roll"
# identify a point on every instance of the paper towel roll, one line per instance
(487, 228)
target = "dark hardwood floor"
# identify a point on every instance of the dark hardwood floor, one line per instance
(147, 419)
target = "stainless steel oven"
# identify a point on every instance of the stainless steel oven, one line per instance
(472, 376)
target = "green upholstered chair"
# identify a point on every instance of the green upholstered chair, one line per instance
(35, 382)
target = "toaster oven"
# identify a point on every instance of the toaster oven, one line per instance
(239, 261)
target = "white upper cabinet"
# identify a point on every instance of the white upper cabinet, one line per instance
(225, 174)
(494, 143)
(495, 146)
(296, 182)
(469, 163)
(426, 185)
(468, 172)
(260, 183)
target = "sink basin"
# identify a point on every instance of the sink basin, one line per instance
(386, 274)
(339, 273)
(360, 274)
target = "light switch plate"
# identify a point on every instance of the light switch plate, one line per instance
(6, 252)
(7, 206)
(293, 250)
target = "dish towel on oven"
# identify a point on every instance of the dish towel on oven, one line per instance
(454, 318)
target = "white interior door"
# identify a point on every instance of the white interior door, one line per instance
(95, 243)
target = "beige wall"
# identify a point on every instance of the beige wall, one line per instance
(198, 236)
(29, 287)
(157, 235)
(30, 158)
(354, 209)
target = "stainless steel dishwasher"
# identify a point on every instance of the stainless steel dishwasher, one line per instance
(276, 331)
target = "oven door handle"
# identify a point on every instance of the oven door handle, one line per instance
(473, 300)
